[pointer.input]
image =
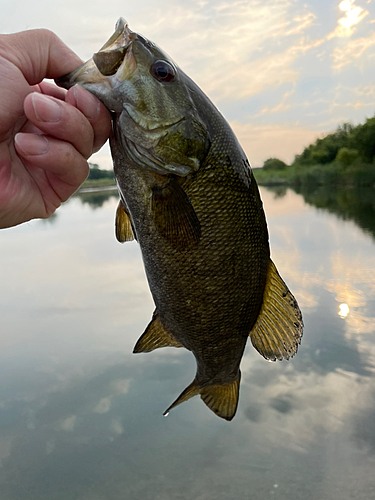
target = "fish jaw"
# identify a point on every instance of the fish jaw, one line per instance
(155, 122)
(107, 70)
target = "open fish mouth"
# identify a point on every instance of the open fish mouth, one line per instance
(106, 62)
(108, 75)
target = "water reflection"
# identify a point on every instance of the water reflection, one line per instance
(96, 198)
(350, 204)
(81, 418)
(343, 310)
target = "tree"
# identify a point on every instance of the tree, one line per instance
(363, 139)
(274, 164)
(347, 156)
(325, 149)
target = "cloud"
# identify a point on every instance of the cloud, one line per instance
(104, 405)
(236, 49)
(315, 404)
(353, 16)
(118, 387)
(342, 56)
(68, 423)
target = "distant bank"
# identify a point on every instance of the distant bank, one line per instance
(98, 178)
(333, 174)
(345, 157)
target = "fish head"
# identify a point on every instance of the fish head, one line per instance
(155, 118)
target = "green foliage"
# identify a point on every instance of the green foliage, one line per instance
(363, 139)
(325, 149)
(347, 156)
(274, 164)
(97, 173)
(343, 158)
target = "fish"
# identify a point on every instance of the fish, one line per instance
(189, 198)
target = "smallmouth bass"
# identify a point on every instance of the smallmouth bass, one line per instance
(189, 198)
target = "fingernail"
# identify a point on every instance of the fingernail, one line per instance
(32, 144)
(88, 104)
(46, 109)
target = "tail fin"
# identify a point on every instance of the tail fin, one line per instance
(221, 399)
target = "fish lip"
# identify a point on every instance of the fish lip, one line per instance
(121, 40)
(150, 126)
(121, 37)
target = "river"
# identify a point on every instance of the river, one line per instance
(81, 417)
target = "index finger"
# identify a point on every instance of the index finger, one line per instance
(94, 110)
(39, 54)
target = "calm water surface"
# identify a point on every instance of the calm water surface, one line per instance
(81, 417)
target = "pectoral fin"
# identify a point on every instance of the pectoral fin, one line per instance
(278, 329)
(154, 337)
(221, 399)
(174, 215)
(123, 226)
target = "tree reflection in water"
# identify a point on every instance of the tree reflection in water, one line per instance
(81, 417)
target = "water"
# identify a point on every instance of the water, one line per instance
(81, 417)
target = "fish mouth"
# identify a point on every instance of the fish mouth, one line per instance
(105, 74)
(106, 62)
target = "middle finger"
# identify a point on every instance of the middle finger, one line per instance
(61, 120)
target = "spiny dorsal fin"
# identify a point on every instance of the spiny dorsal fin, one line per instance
(124, 231)
(154, 337)
(221, 399)
(174, 215)
(278, 329)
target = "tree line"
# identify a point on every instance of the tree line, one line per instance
(346, 155)
(98, 173)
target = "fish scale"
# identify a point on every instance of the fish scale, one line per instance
(189, 197)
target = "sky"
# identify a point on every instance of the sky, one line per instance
(282, 72)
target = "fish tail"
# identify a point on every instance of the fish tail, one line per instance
(221, 399)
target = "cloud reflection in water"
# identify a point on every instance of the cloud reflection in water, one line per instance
(81, 418)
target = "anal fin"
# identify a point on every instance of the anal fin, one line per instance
(154, 337)
(222, 399)
(123, 226)
(278, 329)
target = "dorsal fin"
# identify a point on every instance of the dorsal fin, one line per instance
(123, 226)
(221, 399)
(154, 337)
(278, 329)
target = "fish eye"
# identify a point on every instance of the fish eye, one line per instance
(162, 71)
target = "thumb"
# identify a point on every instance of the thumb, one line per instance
(38, 54)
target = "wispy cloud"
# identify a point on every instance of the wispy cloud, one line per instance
(236, 49)
(342, 56)
(248, 53)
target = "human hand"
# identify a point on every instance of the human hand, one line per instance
(46, 133)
